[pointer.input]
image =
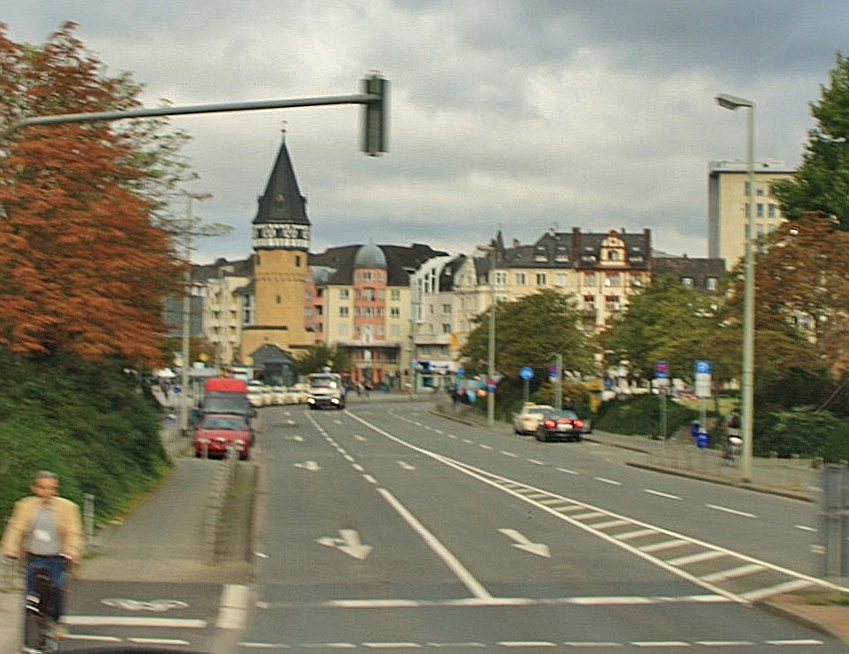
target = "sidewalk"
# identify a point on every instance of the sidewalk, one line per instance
(160, 540)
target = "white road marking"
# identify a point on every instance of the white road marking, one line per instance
(799, 641)
(669, 496)
(473, 585)
(158, 641)
(805, 528)
(567, 471)
(132, 621)
(233, 607)
(525, 544)
(724, 643)
(349, 543)
(659, 643)
(604, 480)
(732, 511)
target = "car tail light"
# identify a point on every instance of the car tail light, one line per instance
(549, 423)
(578, 423)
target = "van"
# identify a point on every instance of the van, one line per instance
(326, 390)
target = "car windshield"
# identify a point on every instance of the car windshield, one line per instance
(322, 382)
(224, 423)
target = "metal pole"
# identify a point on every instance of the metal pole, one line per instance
(558, 384)
(187, 307)
(748, 373)
(490, 366)
(748, 390)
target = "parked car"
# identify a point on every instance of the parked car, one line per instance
(561, 425)
(528, 419)
(217, 432)
(255, 395)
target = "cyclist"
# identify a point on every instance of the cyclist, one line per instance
(45, 531)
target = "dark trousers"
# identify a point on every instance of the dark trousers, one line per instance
(55, 568)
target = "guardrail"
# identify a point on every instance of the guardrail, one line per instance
(222, 481)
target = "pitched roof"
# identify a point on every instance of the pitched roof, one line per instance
(282, 201)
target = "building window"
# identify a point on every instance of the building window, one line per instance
(368, 294)
(446, 328)
(712, 283)
(589, 303)
(760, 210)
(562, 279)
(773, 210)
(614, 280)
(395, 295)
(343, 312)
(611, 302)
(297, 261)
(279, 299)
(446, 309)
(541, 279)
(500, 278)
(343, 294)
(687, 281)
(520, 279)
(394, 312)
(589, 280)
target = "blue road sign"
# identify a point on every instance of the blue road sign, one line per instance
(526, 373)
(703, 367)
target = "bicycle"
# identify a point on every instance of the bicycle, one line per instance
(40, 605)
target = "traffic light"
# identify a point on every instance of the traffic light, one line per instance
(375, 119)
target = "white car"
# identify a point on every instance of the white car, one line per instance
(528, 419)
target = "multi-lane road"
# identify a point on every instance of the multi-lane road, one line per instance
(387, 528)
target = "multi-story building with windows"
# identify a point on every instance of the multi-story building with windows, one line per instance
(728, 203)
(358, 298)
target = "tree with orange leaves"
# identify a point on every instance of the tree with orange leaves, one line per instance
(85, 262)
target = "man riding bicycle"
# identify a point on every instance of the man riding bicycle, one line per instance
(45, 531)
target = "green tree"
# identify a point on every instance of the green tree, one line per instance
(321, 355)
(821, 183)
(530, 332)
(670, 322)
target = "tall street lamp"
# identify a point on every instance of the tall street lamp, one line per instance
(187, 307)
(490, 364)
(748, 388)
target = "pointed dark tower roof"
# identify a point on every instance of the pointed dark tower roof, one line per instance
(281, 219)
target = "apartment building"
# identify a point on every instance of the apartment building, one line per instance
(728, 202)
(358, 297)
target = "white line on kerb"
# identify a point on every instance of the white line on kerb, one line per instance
(474, 586)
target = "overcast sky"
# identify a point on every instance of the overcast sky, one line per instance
(505, 114)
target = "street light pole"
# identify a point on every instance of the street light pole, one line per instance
(187, 307)
(748, 376)
(490, 366)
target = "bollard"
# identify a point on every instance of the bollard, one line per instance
(88, 519)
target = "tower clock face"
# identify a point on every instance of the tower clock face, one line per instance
(281, 236)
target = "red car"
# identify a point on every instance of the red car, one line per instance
(217, 432)
(561, 425)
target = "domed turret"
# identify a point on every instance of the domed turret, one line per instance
(370, 256)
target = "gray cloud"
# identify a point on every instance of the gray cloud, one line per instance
(519, 115)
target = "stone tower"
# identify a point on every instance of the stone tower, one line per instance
(281, 240)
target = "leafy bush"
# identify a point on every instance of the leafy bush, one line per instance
(86, 422)
(640, 415)
(799, 431)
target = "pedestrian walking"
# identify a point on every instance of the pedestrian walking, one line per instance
(45, 533)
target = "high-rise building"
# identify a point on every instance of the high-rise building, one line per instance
(728, 200)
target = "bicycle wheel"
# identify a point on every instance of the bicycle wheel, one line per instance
(33, 630)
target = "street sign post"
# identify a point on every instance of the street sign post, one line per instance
(527, 374)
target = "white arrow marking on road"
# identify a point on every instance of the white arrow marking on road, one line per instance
(349, 543)
(524, 543)
(297, 439)
(406, 466)
(312, 466)
(360, 438)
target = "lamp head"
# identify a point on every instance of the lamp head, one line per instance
(732, 102)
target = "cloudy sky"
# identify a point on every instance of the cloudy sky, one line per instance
(505, 114)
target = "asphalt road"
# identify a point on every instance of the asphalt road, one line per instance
(385, 527)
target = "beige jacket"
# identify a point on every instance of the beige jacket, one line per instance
(68, 526)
